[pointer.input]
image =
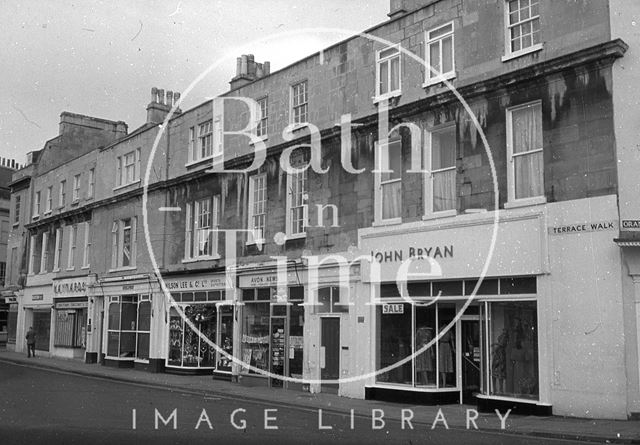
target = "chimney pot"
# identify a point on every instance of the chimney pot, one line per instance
(259, 70)
(238, 66)
(161, 96)
(266, 68)
(243, 66)
(13, 163)
(154, 94)
(176, 98)
(170, 98)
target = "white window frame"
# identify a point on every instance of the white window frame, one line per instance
(36, 205)
(49, 204)
(192, 144)
(508, 53)
(73, 241)
(191, 248)
(382, 165)
(381, 60)
(32, 254)
(92, 183)
(251, 214)
(430, 77)
(58, 252)
(17, 203)
(511, 189)
(62, 197)
(303, 204)
(294, 105)
(428, 176)
(125, 164)
(262, 127)
(75, 194)
(117, 243)
(87, 245)
(44, 253)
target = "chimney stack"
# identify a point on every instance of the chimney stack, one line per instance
(248, 70)
(159, 107)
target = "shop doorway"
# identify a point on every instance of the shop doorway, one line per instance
(470, 351)
(330, 352)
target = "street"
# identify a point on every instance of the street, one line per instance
(42, 406)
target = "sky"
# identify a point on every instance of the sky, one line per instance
(102, 58)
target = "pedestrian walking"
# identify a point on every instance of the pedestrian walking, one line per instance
(31, 342)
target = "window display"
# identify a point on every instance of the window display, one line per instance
(128, 327)
(513, 349)
(255, 335)
(186, 347)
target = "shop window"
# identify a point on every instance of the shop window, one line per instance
(128, 327)
(512, 349)
(12, 323)
(388, 83)
(404, 329)
(201, 231)
(255, 335)
(525, 154)
(440, 54)
(257, 208)
(70, 328)
(522, 30)
(440, 181)
(186, 347)
(388, 179)
(487, 287)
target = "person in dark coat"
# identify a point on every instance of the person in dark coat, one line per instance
(31, 342)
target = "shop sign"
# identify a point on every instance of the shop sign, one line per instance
(71, 305)
(413, 252)
(38, 297)
(67, 287)
(197, 283)
(582, 227)
(11, 300)
(270, 279)
(395, 308)
(631, 224)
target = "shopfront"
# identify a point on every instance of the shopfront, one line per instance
(272, 329)
(440, 336)
(70, 317)
(35, 310)
(202, 300)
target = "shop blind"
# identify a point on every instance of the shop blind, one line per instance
(64, 329)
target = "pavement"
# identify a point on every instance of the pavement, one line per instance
(552, 427)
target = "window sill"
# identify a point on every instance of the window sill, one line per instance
(16, 224)
(200, 258)
(293, 236)
(442, 214)
(120, 269)
(34, 217)
(387, 96)
(56, 270)
(85, 267)
(126, 185)
(203, 160)
(264, 138)
(47, 213)
(522, 52)
(439, 80)
(76, 202)
(536, 200)
(387, 222)
(70, 269)
(255, 241)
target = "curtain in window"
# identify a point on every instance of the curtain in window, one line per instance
(391, 199)
(444, 190)
(527, 137)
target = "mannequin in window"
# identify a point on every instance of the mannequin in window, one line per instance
(499, 363)
(425, 361)
(445, 354)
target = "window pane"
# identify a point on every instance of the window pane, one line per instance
(446, 345)
(444, 190)
(384, 77)
(296, 340)
(524, 285)
(142, 351)
(129, 316)
(127, 344)
(144, 316)
(434, 59)
(324, 300)
(114, 316)
(395, 74)
(528, 170)
(255, 338)
(513, 355)
(447, 54)
(443, 148)
(425, 360)
(391, 200)
(394, 344)
(113, 340)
